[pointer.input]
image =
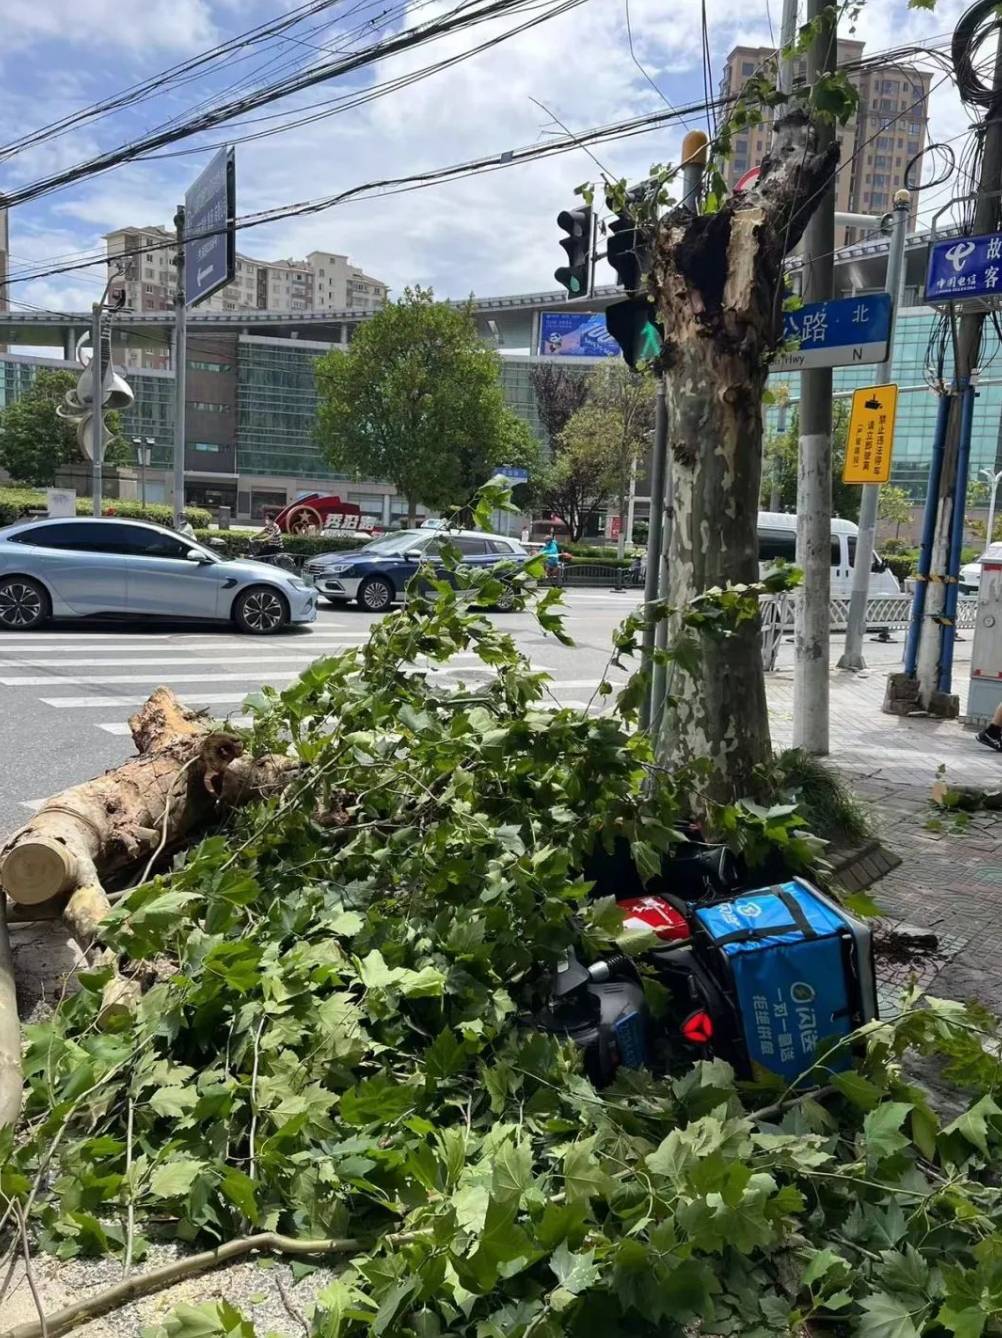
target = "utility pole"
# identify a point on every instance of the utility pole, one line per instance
(932, 666)
(97, 401)
(773, 466)
(814, 467)
(180, 369)
(869, 506)
(787, 36)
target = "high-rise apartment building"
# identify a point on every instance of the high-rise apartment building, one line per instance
(889, 128)
(324, 281)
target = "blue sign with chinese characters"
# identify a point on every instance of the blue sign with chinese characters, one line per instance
(210, 248)
(841, 333)
(514, 472)
(575, 334)
(962, 268)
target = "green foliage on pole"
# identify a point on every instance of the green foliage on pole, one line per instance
(416, 400)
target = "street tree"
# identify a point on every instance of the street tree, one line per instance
(779, 482)
(718, 283)
(35, 443)
(560, 392)
(580, 477)
(626, 400)
(895, 507)
(416, 399)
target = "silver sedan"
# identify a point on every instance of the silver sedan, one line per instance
(82, 568)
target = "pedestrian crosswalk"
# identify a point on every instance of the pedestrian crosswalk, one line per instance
(104, 675)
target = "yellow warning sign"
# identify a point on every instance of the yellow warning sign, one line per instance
(871, 435)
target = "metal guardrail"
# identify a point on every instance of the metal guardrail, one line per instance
(884, 614)
(596, 574)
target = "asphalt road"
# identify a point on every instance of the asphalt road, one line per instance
(66, 692)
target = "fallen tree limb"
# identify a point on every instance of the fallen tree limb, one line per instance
(144, 1284)
(10, 1032)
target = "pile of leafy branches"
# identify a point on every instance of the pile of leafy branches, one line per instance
(334, 1052)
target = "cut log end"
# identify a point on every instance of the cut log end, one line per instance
(37, 869)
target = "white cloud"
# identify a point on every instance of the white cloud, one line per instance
(492, 233)
(156, 25)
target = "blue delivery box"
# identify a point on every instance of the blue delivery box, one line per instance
(794, 968)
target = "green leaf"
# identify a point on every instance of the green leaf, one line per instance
(584, 1179)
(239, 1188)
(575, 1272)
(376, 1100)
(512, 1174)
(820, 1264)
(174, 1101)
(213, 1319)
(973, 1124)
(886, 1317)
(881, 1130)
(175, 1178)
(967, 1323)
(863, 1093)
(444, 1057)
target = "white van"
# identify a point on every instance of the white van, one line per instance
(777, 538)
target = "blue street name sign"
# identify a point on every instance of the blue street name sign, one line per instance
(210, 247)
(840, 333)
(965, 268)
(514, 472)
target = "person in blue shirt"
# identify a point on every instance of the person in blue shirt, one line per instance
(551, 557)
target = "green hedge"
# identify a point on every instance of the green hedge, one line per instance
(236, 544)
(16, 502)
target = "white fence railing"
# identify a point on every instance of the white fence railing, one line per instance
(884, 613)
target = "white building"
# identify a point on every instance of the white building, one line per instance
(324, 281)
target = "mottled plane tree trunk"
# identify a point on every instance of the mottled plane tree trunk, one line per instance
(718, 280)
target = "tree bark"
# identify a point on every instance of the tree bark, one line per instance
(718, 281)
(118, 821)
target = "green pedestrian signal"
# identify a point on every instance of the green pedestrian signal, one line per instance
(575, 276)
(634, 326)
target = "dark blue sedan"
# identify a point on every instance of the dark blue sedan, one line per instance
(377, 574)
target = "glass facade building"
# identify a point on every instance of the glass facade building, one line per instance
(276, 409)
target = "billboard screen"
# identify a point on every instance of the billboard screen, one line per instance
(575, 334)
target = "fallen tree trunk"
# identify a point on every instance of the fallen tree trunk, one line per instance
(119, 822)
(81, 837)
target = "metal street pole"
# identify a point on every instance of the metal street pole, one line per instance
(993, 480)
(631, 504)
(654, 534)
(96, 417)
(180, 370)
(814, 467)
(932, 667)
(787, 36)
(774, 497)
(869, 506)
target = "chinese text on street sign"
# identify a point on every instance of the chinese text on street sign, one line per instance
(210, 247)
(962, 268)
(514, 472)
(871, 435)
(848, 331)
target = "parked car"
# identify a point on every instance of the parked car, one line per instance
(970, 577)
(377, 574)
(82, 568)
(777, 538)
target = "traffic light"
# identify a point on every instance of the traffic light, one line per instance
(575, 276)
(633, 324)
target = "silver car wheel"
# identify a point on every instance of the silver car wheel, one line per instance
(263, 611)
(376, 596)
(21, 605)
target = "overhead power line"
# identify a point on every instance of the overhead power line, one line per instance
(464, 15)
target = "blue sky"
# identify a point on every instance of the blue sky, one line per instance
(494, 233)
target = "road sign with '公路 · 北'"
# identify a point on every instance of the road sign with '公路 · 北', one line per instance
(209, 251)
(871, 435)
(840, 333)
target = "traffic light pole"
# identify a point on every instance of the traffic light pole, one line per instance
(655, 548)
(814, 467)
(869, 506)
(180, 370)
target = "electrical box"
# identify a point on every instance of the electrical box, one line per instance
(986, 655)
